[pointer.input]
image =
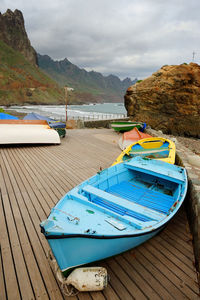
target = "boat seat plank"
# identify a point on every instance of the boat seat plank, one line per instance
(149, 198)
(125, 218)
(165, 173)
(143, 150)
(122, 205)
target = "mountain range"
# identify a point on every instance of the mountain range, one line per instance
(28, 77)
(103, 88)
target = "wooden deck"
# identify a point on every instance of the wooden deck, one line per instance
(33, 179)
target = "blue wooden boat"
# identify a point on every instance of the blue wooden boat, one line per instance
(114, 211)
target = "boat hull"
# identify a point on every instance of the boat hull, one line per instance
(71, 252)
(130, 137)
(154, 147)
(126, 126)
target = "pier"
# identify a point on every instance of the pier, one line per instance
(32, 181)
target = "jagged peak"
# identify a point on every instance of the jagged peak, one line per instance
(18, 38)
(10, 13)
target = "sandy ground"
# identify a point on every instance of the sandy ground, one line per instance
(192, 143)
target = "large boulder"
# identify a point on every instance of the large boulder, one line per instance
(169, 100)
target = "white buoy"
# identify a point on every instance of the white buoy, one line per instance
(88, 279)
(82, 279)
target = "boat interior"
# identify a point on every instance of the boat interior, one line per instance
(150, 149)
(131, 193)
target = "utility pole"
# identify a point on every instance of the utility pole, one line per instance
(65, 88)
(193, 54)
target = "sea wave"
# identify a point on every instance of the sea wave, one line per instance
(86, 111)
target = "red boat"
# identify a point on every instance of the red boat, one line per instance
(131, 137)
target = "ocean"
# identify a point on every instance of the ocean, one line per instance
(83, 112)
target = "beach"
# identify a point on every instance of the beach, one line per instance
(191, 143)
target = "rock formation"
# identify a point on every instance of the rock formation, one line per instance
(13, 33)
(169, 100)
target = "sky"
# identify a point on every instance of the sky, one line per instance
(127, 38)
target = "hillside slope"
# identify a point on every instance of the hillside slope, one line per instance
(22, 82)
(92, 84)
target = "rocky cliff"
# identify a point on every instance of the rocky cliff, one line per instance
(13, 33)
(169, 100)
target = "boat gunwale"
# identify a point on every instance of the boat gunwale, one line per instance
(171, 148)
(65, 236)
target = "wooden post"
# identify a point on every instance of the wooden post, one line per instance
(65, 88)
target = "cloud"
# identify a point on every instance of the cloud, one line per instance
(126, 38)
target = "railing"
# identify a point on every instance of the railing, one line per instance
(95, 116)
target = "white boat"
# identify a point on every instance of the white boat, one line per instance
(27, 132)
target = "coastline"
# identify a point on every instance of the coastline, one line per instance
(191, 143)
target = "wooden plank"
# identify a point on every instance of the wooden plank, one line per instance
(34, 179)
(181, 259)
(97, 296)
(110, 293)
(11, 281)
(137, 278)
(179, 244)
(34, 184)
(131, 287)
(41, 259)
(20, 266)
(2, 279)
(184, 278)
(155, 271)
(146, 274)
(163, 267)
(170, 234)
(117, 285)
(169, 254)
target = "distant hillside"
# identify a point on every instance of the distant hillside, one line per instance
(91, 84)
(23, 82)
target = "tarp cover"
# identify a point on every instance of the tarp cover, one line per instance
(52, 123)
(4, 116)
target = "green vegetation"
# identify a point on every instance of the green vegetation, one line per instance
(139, 81)
(21, 82)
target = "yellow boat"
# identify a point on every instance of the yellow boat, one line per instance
(155, 147)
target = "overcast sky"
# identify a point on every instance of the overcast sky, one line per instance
(127, 38)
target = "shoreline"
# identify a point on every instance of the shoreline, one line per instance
(190, 142)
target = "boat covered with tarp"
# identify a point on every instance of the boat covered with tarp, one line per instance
(4, 116)
(57, 125)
